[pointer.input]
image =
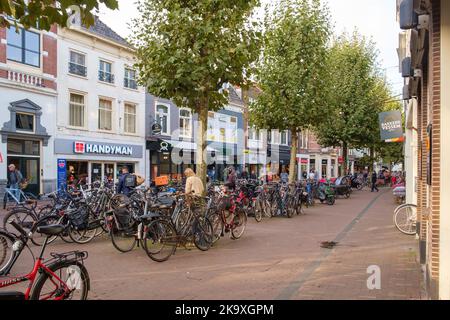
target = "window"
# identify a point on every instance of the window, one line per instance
(24, 122)
(275, 137)
(130, 79)
(254, 134)
(105, 72)
(284, 137)
(162, 117)
(185, 123)
(130, 118)
(304, 140)
(76, 110)
(105, 115)
(77, 64)
(22, 147)
(24, 47)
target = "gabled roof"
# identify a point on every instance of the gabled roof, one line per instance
(101, 29)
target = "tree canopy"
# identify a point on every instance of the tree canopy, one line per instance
(42, 14)
(292, 72)
(190, 50)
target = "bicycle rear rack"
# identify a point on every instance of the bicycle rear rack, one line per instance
(68, 256)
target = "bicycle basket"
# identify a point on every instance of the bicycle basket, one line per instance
(123, 218)
(79, 218)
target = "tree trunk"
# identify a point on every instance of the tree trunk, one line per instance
(345, 155)
(292, 165)
(201, 145)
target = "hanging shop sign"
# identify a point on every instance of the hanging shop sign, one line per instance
(391, 125)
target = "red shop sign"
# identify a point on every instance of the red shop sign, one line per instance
(341, 159)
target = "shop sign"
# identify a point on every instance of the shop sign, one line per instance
(341, 160)
(83, 147)
(62, 173)
(391, 126)
(304, 161)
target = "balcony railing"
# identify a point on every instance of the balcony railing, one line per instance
(25, 78)
(105, 77)
(130, 83)
(77, 69)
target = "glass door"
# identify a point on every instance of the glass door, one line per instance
(96, 172)
(30, 168)
(108, 172)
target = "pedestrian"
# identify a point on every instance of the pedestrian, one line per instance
(15, 178)
(374, 182)
(316, 176)
(253, 175)
(305, 175)
(194, 185)
(231, 179)
(284, 176)
(244, 175)
(312, 175)
(127, 182)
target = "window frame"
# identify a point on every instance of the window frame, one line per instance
(110, 100)
(125, 113)
(189, 135)
(157, 103)
(84, 95)
(85, 63)
(34, 123)
(286, 133)
(23, 48)
(100, 71)
(128, 79)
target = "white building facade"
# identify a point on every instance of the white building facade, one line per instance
(101, 110)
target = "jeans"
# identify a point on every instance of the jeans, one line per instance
(15, 191)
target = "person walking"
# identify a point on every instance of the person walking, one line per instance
(374, 182)
(284, 176)
(15, 177)
(231, 179)
(194, 185)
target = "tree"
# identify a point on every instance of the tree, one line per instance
(189, 50)
(292, 70)
(42, 14)
(353, 102)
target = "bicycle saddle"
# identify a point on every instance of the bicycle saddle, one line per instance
(51, 230)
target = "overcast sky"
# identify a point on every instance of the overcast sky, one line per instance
(372, 18)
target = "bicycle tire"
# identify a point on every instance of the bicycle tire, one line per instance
(258, 209)
(202, 231)
(160, 231)
(114, 234)
(217, 224)
(24, 217)
(6, 252)
(242, 221)
(409, 227)
(57, 268)
(45, 221)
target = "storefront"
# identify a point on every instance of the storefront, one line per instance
(303, 165)
(25, 143)
(91, 161)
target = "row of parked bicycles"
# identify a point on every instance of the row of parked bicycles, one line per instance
(159, 220)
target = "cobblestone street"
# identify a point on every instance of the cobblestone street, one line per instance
(276, 259)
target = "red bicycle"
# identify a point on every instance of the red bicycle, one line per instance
(64, 277)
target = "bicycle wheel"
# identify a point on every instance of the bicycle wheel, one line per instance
(217, 224)
(202, 231)
(6, 251)
(405, 219)
(73, 282)
(81, 236)
(290, 207)
(37, 238)
(22, 217)
(258, 209)
(123, 240)
(160, 240)
(299, 206)
(239, 225)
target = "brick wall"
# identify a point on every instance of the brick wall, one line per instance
(2, 46)
(50, 62)
(435, 114)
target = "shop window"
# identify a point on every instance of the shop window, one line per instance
(105, 115)
(77, 172)
(130, 118)
(24, 122)
(284, 138)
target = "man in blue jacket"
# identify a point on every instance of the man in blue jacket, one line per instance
(123, 187)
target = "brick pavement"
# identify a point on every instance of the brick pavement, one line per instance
(278, 258)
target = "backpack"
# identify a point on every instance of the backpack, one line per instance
(130, 181)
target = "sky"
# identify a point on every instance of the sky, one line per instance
(372, 18)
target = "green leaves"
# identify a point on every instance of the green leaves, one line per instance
(292, 67)
(190, 49)
(42, 14)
